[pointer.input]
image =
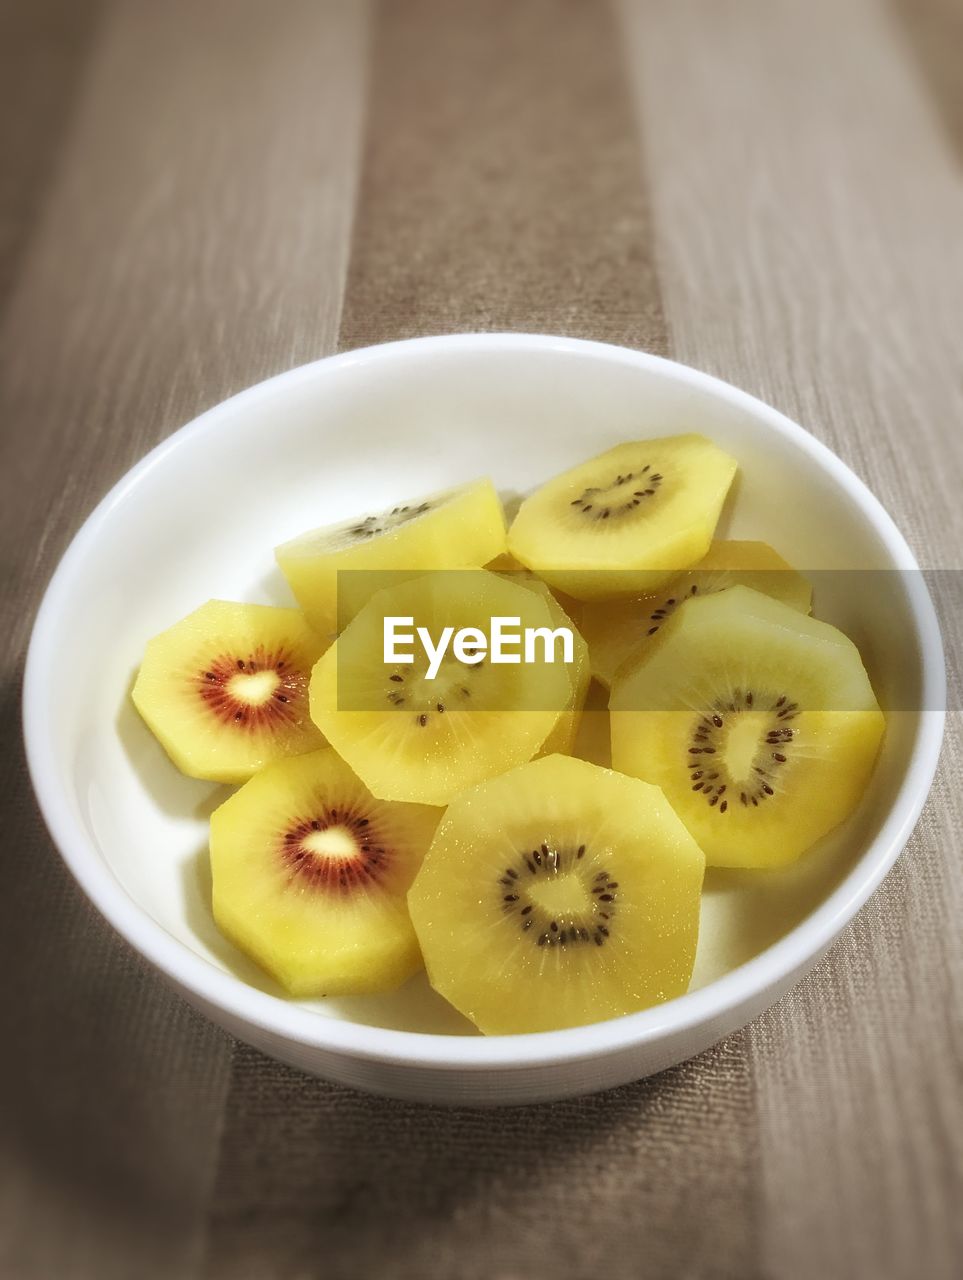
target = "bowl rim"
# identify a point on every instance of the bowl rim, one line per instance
(729, 996)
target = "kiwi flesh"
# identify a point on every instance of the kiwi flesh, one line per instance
(563, 737)
(759, 724)
(627, 521)
(411, 737)
(621, 631)
(556, 895)
(310, 874)
(225, 690)
(334, 570)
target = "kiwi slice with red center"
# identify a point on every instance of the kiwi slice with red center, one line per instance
(225, 690)
(310, 873)
(265, 690)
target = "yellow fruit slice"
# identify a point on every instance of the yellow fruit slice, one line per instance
(506, 563)
(310, 874)
(627, 521)
(556, 895)
(411, 737)
(621, 630)
(562, 738)
(225, 690)
(334, 570)
(758, 723)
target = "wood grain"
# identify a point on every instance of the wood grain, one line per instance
(187, 234)
(43, 56)
(798, 264)
(486, 205)
(934, 32)
(189, 194)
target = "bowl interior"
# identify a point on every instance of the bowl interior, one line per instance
(201, 516)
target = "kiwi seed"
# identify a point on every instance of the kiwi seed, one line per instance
(575, 928)
(398, 697)
(282, 706)
(667, 608)
(712, 778)
(599, 502)
(371, 526)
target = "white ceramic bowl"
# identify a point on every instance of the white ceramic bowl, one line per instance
(199, 517)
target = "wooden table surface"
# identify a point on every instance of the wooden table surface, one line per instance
(196, 194)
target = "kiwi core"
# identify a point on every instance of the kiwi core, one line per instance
(254, 687)
(557, 898)
(739, 747)
(621, 496)
(561, 895)
(339, 851)
(742, 743)
(331, 842)
(264, 689)
(409, 689)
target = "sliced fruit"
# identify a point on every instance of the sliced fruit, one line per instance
(310, 874)
(758, 723)
(556, 895)
(225, 690)
(411, 737)
(621, 630)
(506, 563)
(562, 738)
(334, 570)
(627, 521)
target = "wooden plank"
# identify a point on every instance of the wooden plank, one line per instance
(502, 190)
(934, 32)
(808, 212)
(188, 234)
(501, 186)
(43, 54)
